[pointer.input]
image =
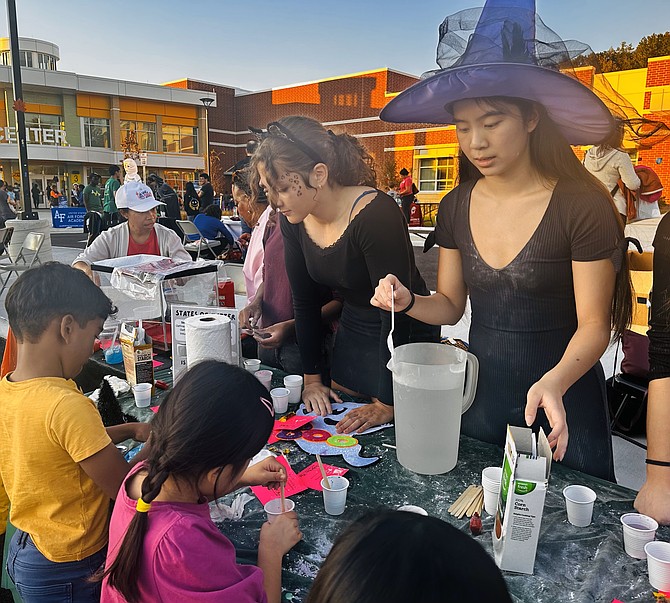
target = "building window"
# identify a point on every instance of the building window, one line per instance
(45, 129)
(25, 58)
(180, 139)
(45, 61)
(4, 58)
(436, 174)
(96, 132)
(145, 132)
(177, 180)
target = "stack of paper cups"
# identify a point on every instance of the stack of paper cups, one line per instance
(294, 384)
(491, 483)
(207, 338)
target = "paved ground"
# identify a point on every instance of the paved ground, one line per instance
(629, 459)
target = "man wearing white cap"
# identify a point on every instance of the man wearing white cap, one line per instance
(141, 234)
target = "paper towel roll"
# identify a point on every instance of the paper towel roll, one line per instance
(207, 338)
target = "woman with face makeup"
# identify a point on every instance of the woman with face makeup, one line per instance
(341, 232)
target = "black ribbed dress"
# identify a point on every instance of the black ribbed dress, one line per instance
(524, 315)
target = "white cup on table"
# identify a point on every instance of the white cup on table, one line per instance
(335, 496)
(280, 399)
(579, 502)
(658, 564)
(638, 530)
(252, 364)
(142, 394)
(294, 384)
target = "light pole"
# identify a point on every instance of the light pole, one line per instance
(207, 101)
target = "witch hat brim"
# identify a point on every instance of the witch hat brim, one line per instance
(580, 115)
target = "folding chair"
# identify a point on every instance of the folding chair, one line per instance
(32, 243)
(191, 230)
(5, 240)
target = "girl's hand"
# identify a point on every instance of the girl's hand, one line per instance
(282, 534)
(547, 395)
(387, 287)
(269, 472)
(142, 432)
(317, 397)
(654, 497)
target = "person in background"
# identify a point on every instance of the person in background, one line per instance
(163, 545)
(6, 212)
(255, 214)
(608, 162)
(210, 226)
(60, 467)
(449, 573)
(140, 234)
(191, 201)
(111, 186)
(206, 192)
(406, 193)
(93, 194)
(166, 195)
(243, 163)
(342, 233)
(80, 195)
(36, 194)
(54, 195)
(654, 497)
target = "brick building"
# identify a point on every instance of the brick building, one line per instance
(352, 103)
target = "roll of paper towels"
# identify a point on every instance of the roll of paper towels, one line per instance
(207, 338)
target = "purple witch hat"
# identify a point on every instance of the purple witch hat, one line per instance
(505, 50)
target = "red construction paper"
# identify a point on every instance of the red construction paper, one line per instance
(294, 485)
(311, 476)
(290, 423)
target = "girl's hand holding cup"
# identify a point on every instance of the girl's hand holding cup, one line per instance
(390, 287)
(281, 535)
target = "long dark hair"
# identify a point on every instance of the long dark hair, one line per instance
(217, 415)
(553, 158)
(424, 560)
(349, 163)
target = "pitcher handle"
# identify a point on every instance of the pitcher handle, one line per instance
(470, 389)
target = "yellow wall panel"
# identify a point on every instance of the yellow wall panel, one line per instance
(180, 121)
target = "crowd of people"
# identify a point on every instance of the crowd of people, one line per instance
(534, 238)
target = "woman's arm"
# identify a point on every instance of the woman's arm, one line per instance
(593, 284)
(628, 174)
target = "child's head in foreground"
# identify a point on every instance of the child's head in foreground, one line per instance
(60, 308)
(396, 556)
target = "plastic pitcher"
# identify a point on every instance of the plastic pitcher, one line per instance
(431, 389)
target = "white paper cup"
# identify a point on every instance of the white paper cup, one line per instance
(273, 508)
(491, 483)
(335, 497)
(252, 364)
(142, 393)
(579, 504)
(413, 509)
(294, 384)
(265, 377)
(658, 564)
(638, 530)
(280, 399)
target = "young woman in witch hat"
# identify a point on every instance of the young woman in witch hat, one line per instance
(529, 234)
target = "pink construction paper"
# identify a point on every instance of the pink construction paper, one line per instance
(311, 476)
(155, 408)
(293, 485)
(157, 364)
(291, 423)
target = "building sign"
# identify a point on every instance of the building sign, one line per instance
(35, 135)
(68, 217)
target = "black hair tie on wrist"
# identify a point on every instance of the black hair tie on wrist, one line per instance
(409, 306)
(658, 463)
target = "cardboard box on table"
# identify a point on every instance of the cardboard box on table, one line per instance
(144, 287)
(642, 277)
(523, 487)
(138, 359)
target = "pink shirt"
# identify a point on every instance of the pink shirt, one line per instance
(184, 556)
(253, 262)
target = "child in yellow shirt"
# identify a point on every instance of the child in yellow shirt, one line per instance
(59, 466)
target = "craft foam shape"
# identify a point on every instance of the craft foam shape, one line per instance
(351, 454)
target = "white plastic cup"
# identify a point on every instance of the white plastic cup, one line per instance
(280, 399)
(491, 477)
(658, 564)
(252, 364)
(335, 497)
(294, 384)
(413, 509)
(638, 530)
(142, 393)
(579, 504)
(273, 508)
(265, 377)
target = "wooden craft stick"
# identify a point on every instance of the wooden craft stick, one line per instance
(282, 496)
(462, 500)
(324, 475)
(475, 503)
(469, 502)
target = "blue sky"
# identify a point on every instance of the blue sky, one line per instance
(259, 44)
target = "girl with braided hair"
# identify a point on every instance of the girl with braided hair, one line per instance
(163, 544)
